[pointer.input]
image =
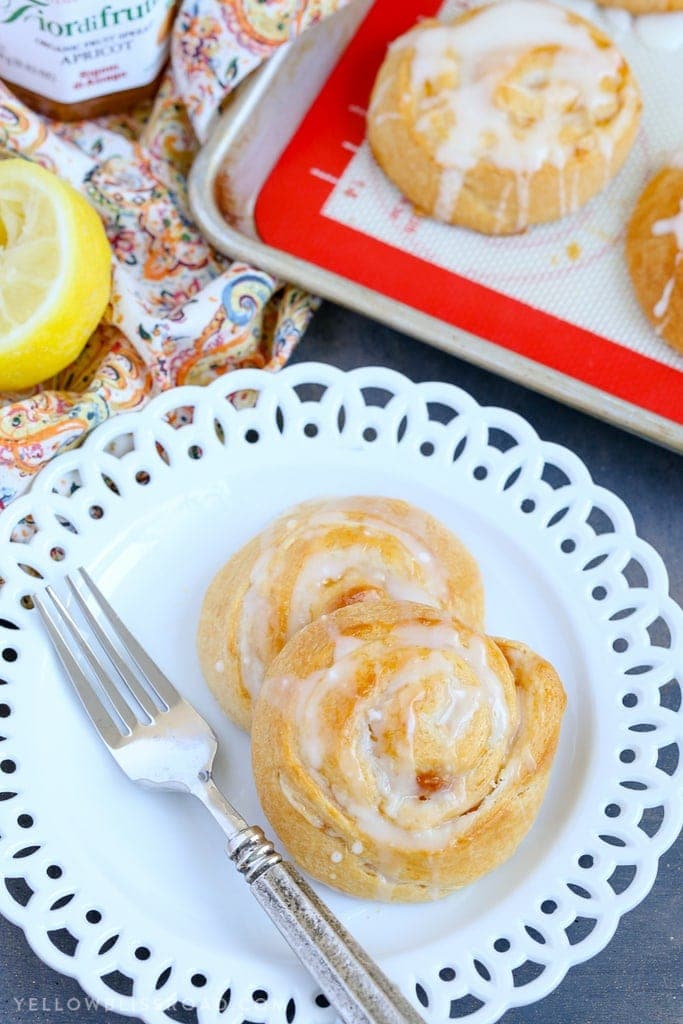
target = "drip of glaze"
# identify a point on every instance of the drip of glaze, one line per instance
(426, 585)
(477, 53)
(395, 778)
(671, 226)
(661, 307)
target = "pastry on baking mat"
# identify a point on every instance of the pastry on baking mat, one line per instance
(645, 6)
(398, 754)
(654, 252)
(319, 556)
(512, 114)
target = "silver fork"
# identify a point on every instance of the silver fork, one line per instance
(159, 740)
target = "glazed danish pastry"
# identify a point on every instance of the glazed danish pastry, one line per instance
(512, 114)
(319, 556)
(654, 252)
(644, 6)
(398, 754)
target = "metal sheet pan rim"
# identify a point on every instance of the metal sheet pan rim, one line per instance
(240, 245)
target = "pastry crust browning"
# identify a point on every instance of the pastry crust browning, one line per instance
(644, 6)
(510, 115)
(654, 252)
(400, 755)
(320, 556)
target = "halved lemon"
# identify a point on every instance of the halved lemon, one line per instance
(55, 273)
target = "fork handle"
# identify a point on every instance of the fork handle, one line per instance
(351, 980)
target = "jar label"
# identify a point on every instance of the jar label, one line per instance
(73, 50)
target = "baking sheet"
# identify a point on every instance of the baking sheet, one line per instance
(239, 170)
(573, 268)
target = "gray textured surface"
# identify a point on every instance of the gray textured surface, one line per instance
(638, 977)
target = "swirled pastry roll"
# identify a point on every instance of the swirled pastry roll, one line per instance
(645, 6)
(320, 556)
(513, 114)
(654, 252)
(398, 754)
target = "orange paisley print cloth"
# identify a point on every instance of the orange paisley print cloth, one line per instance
(180, 312)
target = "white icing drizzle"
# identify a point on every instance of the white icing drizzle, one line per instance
(326, 566)
(472, 73)
(343, 646)
(502, 205)
(444, 638)
(523, 193)
(380, 755)
(450, 184)
(661, 307)
(299, 805)
(390, 115)
(527, 762)
(669, 226)
(419, 578)
(256, 621)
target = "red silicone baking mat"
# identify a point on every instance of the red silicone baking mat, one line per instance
(319, 173)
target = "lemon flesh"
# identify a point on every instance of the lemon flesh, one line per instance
(55, 273)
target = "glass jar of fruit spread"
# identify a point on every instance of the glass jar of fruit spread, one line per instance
(73, 59)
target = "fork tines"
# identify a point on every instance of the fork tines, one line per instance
(137, 692)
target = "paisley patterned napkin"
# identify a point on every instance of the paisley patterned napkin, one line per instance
(180, 313)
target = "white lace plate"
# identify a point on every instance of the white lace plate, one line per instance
(131, 892)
